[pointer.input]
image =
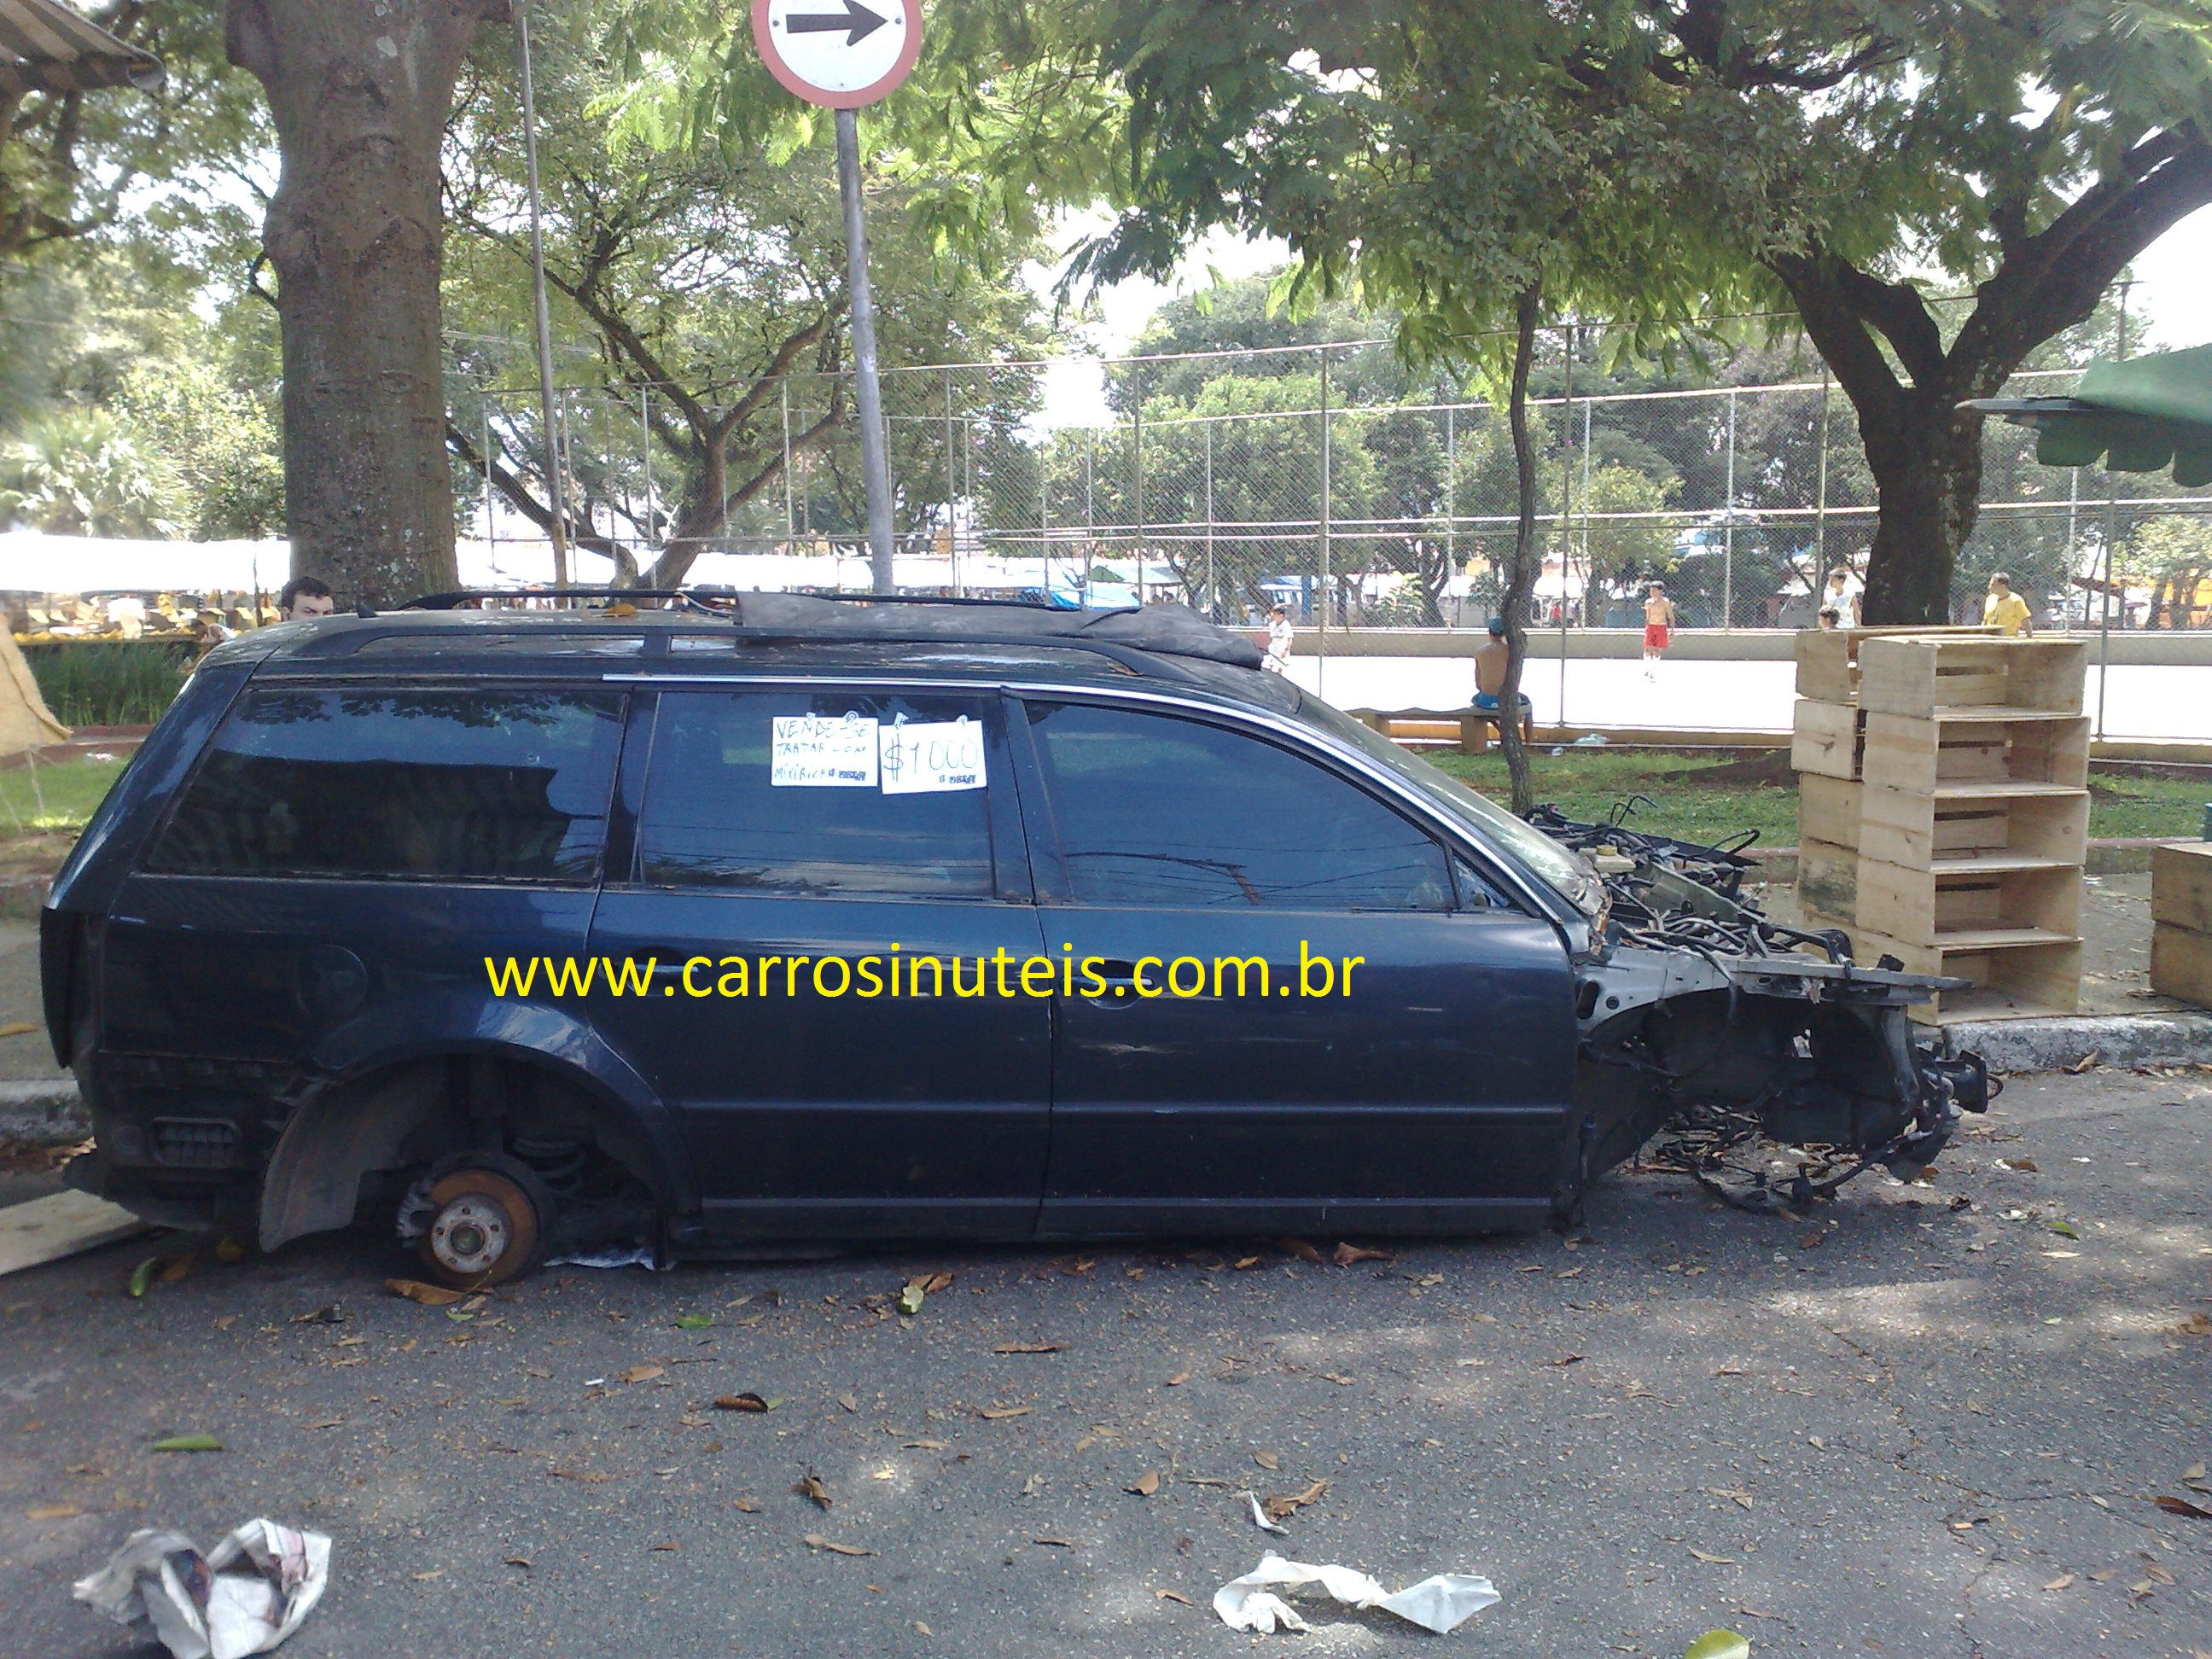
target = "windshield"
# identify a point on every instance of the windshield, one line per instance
(1560, 868)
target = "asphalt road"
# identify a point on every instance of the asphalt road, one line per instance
(1902, 1428)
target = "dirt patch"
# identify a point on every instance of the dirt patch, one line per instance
(1768, 769)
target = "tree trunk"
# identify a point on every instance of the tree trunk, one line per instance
(360, 91)
(1927, 467)
(1521, 565)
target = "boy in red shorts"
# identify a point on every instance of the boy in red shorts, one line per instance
(1658, 626)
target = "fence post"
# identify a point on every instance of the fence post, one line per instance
(790, 513)
(1325, 606)
(491, 518)
(1451, 498)
(1566, 511)
(1089, 509)
(1212, 594)
(1137, 466)
(1818, 579)
(1044, 512)
(2112, 528)
(645, 459)
(1728, 526)
(951, 491)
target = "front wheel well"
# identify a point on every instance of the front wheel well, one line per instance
(429, 1109)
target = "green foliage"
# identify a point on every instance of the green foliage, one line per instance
(109, 682)
(218, 441)
(80, 473)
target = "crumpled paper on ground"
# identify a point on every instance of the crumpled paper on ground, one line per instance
(1441, 1603)
(245, 1595)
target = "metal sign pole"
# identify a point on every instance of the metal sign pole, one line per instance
(554, 494)
(875, 464)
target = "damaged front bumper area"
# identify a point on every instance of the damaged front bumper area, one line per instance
(1698, 1013)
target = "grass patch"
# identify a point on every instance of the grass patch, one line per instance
(1703, 798)
(58, 800)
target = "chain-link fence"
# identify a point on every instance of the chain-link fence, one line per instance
(1317, 476)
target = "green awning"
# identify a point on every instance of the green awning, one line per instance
(2140, 415)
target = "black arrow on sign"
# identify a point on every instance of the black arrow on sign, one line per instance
(858, 20)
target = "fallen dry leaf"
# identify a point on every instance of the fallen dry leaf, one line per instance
(850, 1402)
(1056, 1543)
(1266, 1460)
(1337, 1377)
(2158, 1574)
(924, 1445)
(815, 1540)
(642, 1374)
(2084, 1063)
(1178, 1379)
(1280, 1508)
(2195, 1324)
(2173, 1505)
(589, 1477)
(1303, 1251)
(1735, 1495)
(430, 1296)
(19, 1028)
(811, 1488)
(515, 1561)
(1346, 1255)
(1566, 1359)
(1029, 1347)
(992, 1413)
(668, 1547)
(2025, 1166)
(745, 1506)
(52, 1513)
(2060, 1583)
(1713, 1560)
(929, 1284)
(1145, 1484)
(1173, 1595)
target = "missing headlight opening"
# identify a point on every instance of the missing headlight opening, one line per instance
(1703, 1022)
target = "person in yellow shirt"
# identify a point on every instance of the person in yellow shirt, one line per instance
(2005, 610)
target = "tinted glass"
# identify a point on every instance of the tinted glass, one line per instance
(1153, 809)
(716, 816)
(474, 786)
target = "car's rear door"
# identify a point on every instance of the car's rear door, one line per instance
(1423, 1087)
(784, 854)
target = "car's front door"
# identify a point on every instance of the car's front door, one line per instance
(1376, 1039)
(796, 851)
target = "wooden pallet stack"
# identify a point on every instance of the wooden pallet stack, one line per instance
(1827, 750)
(2181, 921)
(1973, 812)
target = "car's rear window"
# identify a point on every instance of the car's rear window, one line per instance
(345, 784)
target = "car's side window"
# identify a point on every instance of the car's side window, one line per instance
(490, 785)
(800, 792)
(1157, 810)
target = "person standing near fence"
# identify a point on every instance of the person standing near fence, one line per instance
(1658, 627)
(2005, 610)
(1844, 596)
(1280, 635)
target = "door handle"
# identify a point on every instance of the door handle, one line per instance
(1116, 973)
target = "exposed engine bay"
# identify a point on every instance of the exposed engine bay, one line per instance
(1701, 1016)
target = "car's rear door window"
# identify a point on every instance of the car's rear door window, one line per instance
(819, 793)
(466, 784)
(1157, 810)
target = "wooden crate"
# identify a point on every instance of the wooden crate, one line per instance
(1918, 829)
(1826, 739)
(2013, 979)
(2181, 962)
(1828, 881)
(1928, 676)
(1828, 810)
(2181, 885)
(1992, 899)
(1973, 750)
(1828, 657)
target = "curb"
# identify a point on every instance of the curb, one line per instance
(43, 1112)
(2061, 1043)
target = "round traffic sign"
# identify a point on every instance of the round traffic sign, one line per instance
(840, 53)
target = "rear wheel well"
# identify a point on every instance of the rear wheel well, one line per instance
(363, 1139)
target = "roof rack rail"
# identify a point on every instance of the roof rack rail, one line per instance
(457, 597)
(1134, 660)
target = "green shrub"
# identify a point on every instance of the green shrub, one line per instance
(110, 682)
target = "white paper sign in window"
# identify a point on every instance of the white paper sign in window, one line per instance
(932, 758)
(822, 751)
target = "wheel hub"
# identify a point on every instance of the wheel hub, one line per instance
(469, 1235)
